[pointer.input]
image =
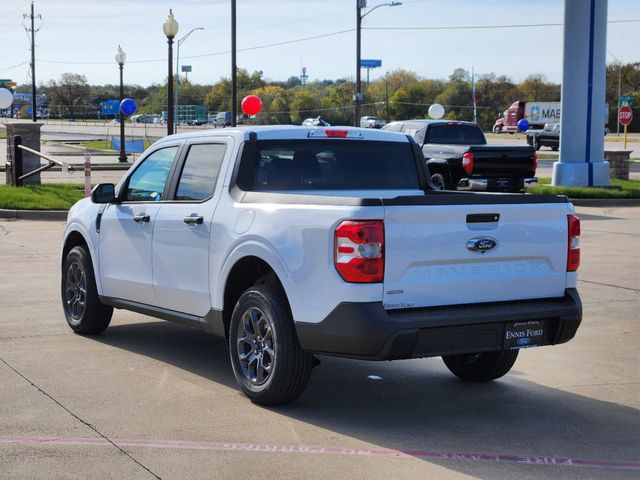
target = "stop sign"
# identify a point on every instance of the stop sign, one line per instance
(625, 115)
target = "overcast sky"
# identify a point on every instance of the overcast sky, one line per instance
(82, 36)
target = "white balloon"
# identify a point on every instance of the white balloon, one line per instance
(6, 98)
(436, 111)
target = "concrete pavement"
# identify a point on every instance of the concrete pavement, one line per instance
(150, 399)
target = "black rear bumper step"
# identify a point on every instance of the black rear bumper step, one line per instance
(368, 331)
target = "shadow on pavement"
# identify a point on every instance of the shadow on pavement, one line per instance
(419, 406)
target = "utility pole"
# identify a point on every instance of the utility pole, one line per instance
(32, 30)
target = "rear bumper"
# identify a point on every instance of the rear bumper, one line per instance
(496, 184)
(368, 331)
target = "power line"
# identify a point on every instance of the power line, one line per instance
(330, 34)
(212, 54)
(13, 66)
(483, 27)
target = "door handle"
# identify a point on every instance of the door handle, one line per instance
(193, 219)
(141, 218)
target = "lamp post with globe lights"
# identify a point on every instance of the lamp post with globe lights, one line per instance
(121, 57)
(170, 29)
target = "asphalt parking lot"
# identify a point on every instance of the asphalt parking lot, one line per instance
(149, 399)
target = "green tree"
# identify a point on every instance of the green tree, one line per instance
(304, 104)
(493, 95)
(536, 88)
(337, 103)
(69, 93)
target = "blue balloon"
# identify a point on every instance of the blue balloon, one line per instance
(523, 124)
(128, 106)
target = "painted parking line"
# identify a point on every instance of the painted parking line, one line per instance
(315, 450)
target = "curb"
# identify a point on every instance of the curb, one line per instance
(34, 214)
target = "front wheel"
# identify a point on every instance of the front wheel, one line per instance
(83, 310)
(481, 367)
(497, 130)
(268, 362)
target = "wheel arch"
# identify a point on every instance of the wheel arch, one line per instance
(441, 166)
(73, 239)
(76, 237)
(247, 271)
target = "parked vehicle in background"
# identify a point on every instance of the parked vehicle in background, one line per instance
(224, 119)
(234, 232)
(315, 122)
(549, 136)
(537, 113)
(145, 118)
(458, 157)
(371, 122)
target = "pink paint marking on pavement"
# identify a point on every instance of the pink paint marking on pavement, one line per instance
(315, 450)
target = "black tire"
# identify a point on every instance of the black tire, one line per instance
(262, 337)
(555, 149)
(481, 367)
(438, 181)
(497, 130)
(78, 285)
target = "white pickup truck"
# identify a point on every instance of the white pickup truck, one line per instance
(295, 241)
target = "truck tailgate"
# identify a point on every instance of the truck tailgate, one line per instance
(428, 261)
(503, 161)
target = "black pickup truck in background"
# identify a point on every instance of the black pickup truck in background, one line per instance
(458, 157)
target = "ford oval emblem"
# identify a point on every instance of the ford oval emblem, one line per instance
(523, 342)
(481, 245)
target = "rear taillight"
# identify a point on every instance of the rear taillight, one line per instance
(573, 246)
(359, 251)
(467, 162)
(535, 162)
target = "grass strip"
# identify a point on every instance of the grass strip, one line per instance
(40, 197)
(627, 189)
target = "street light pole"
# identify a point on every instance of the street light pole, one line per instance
(178, 43)
(170, 28)
(121, 57)
(360, 5)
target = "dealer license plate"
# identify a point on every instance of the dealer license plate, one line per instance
(524, 334)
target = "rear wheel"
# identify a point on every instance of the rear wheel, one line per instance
(438, 181)
(555, 149)
(268, 362)
(497, 129)
(82, 308)
(481, 367)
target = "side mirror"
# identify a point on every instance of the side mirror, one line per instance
(103, 193)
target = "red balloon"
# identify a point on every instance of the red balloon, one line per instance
(251, 104)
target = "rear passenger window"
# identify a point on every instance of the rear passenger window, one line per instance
(200, 172)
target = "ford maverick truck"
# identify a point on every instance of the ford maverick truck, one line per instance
(292, 242)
